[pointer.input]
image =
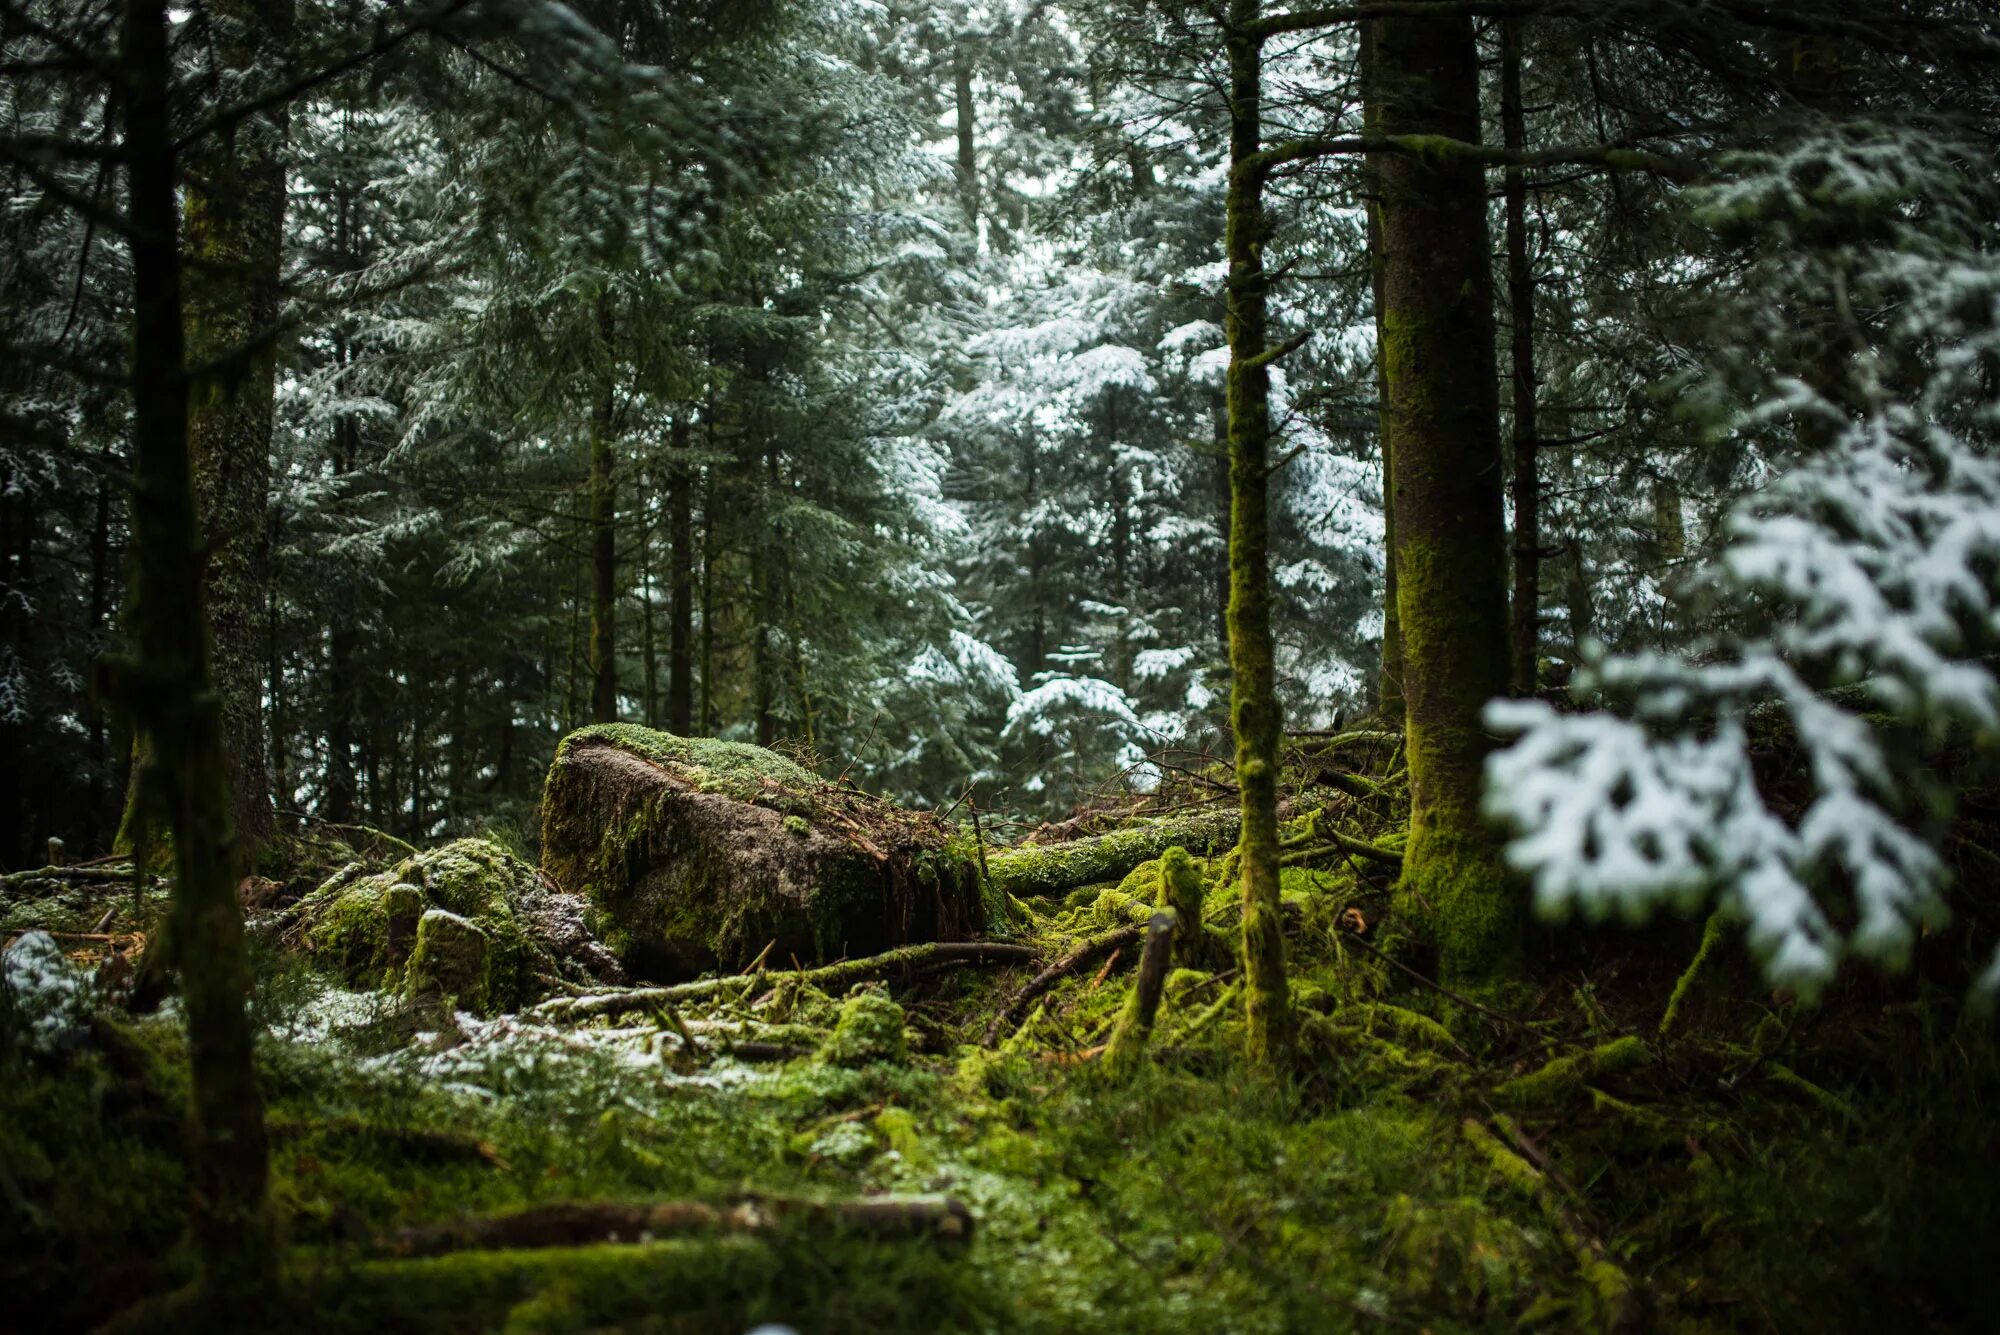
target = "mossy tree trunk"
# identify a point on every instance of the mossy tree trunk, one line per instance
(1389, 677)
(680, 597)
(169, 692)
(1253, 695)
(1525, 623)
(603, 501)
(1444, 445)
(234, 192)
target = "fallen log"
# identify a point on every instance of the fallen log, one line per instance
(903, 962)
(1075, 962)
(940, 1219)
(79, 873)
(1045, 869)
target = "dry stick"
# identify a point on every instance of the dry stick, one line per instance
(1074, 962)
(903, 960)
(918, 1218)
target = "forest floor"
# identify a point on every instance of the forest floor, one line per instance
(1554, 1159)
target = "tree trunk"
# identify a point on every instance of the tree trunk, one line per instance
(649, 701)
(968, 146)
(604, 570)
(1444, 447)
(680, 600)
(234, 239)
(1389, 678)
(1254, 698)
(168, 690)
(1525, 625)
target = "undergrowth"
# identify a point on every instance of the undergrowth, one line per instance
(1433, 1163)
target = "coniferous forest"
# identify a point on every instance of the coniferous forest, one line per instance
(999, 665)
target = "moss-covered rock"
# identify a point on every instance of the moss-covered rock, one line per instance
(870, 1030)
(374, 929)
(453, 960)
(700, 854)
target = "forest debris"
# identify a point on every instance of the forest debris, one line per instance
(938, 1219)
(903, 962)
(1135, 1023)
(1073, 963)
(1045, 869)
(77, 873)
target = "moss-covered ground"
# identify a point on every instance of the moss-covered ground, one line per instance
(1544, 1160)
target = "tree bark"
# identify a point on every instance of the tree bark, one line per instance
(1253, 697)
(1389, 678)
(1525, 618)
(168, 691)
(968, 145)
(1444, 446)
(234, 240)
(680, 599)
(604, 569)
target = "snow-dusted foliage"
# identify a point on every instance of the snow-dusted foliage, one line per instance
(46, 995)
(1857, 594)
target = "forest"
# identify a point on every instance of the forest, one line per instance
(797, 666)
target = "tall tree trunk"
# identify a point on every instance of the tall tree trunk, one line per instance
(1444, 446)
(680, 598)
(342, 643)
(100, 609)
(1254, 696)
(649, 659)
(1389, 677)
(234, 240)
(1525, 628)
(968, 144)
(604, 569)
(168, 691)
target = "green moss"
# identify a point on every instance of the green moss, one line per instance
(734, 769)
(870, 1030)
(367, 926)
(1563, 1079)
(453, 960)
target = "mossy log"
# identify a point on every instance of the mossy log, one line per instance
(1048, 869)
(701, 854)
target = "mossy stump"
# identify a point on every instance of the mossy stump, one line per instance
(702, 854)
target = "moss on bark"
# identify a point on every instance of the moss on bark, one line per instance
(1442, 411)
(1254, 711)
